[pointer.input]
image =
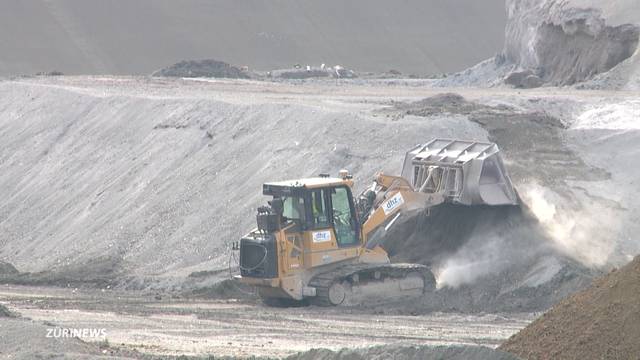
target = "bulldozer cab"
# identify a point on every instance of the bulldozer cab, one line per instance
(308, 223)
(317, 204)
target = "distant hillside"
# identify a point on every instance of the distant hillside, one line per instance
(138, 37)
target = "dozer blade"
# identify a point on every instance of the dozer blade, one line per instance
(464, 172)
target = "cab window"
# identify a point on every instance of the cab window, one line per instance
(343, 221)
(294, 209)
(319, 209)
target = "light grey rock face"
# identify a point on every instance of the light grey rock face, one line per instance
(565, 42)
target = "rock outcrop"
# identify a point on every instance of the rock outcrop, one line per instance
(566, 42)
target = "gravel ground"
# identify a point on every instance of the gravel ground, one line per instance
(140, 322)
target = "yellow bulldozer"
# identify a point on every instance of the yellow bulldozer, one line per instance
(316, 242)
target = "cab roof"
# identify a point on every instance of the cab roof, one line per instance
(308, 183)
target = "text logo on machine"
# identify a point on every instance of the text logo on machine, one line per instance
(321, 236)
(393, 203)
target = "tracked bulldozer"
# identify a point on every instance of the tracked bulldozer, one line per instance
(316, 242)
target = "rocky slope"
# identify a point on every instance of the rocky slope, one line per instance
(563, 42)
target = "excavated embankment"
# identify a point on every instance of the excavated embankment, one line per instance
(601, 322)
(564, 44)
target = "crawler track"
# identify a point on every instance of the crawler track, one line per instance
(342, 285)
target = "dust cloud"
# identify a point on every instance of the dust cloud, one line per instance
(479, 258)
(548, 227)
(577, 233)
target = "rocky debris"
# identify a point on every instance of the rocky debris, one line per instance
(390, 74)
(4, 312)
(564, 44)
(399, 352)
(446, 103)
(50, 73)
(225, 289)
(300, 73)
(98, 272)
(523, 80)
(488, 73)
(203, 68)
(601, 322)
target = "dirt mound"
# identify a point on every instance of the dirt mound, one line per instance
(406, 353)
(225, 289)
(202, 68)
(601, 322)
(100, 272)
(450, 103)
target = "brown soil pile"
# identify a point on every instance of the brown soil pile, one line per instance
(601, 322)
